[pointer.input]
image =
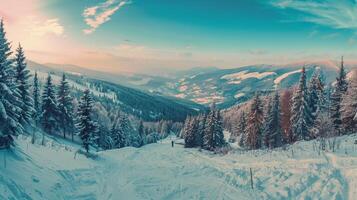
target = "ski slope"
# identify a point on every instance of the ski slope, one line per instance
(158, 171)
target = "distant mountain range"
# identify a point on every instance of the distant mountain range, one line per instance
(205, 85)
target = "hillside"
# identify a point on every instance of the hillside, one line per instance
(143, 104)
(158, 171)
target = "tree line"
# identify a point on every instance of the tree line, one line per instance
(26, 106)
(308, 111)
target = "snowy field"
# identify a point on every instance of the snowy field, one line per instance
(158, 171)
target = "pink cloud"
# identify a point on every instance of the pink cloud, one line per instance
(99, 14)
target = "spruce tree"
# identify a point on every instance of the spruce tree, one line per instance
(218, 130)
(316, 94)
(10, 97)
(190, 138)
(267, 125)
(301, 114)
(254, 124)
(65, 107)
(241, 127)
(49, 117)
(274, 132)
(36, 99)
(87, 127)
(209, 134)
(201, 129)
(349, 106)
(336, 97)
(22, 80)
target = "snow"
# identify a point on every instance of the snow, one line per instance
(95, 91)
(284, 76)
(158, 171)
(237, 78)
(239, 95)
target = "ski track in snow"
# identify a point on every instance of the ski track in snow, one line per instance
(158, 171)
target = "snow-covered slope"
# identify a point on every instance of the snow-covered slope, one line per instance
(158, 171)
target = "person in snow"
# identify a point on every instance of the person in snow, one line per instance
(172, 143)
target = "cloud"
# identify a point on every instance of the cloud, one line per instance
(337, 14)
(44, 27)
(97, 15)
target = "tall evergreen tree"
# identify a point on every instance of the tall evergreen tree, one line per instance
(274, 133)
(87, 126)
(301, 115)
(254, 124)
(65, 107)
(22, 81)
(36, 99)
(190, 135)
(349, 106)
(201, 129)
(286, 116)
(9, 98)
(49, 117)
(209, 133)
(241, 127)
(218, 130)
(267, 125)
(316, 94)
(336, 97)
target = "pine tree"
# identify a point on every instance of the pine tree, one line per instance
(316, 95)
(36, 99)
(65, 107)
(349, 106)
(10, 97)
(141, 132)
(22, 80)
(201, 130)
(190, 139)
(241, 127)
(254, 124)
(267, 125)
(301, 115)
(336, 97)
(87, 127)
(218, 130)
(209, 134)
(49, 117)
(132, 137)
(274, 133)
(286, 116)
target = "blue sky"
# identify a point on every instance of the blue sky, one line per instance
(139, 35)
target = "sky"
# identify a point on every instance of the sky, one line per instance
(151, 36)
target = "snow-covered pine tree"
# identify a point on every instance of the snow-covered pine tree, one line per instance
(49, 116)
(22, 80)
(275, 135)
(208, 137)
(336, 97)
(301, 115)
(9, 98)
(87, 127)
(36, 99)
(132, 137)
(267, 125)
(190, 138)
(286, 116)
(141, 132)
(201, 129)
(316, 94)
(241, 127)
(185, 127)
(65, 107)
(218, 130)
(349, 105)
(118, 136)
(254, 124)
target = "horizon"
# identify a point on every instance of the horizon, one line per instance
(142, 36)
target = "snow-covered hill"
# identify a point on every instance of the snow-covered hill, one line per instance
(158, 171)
